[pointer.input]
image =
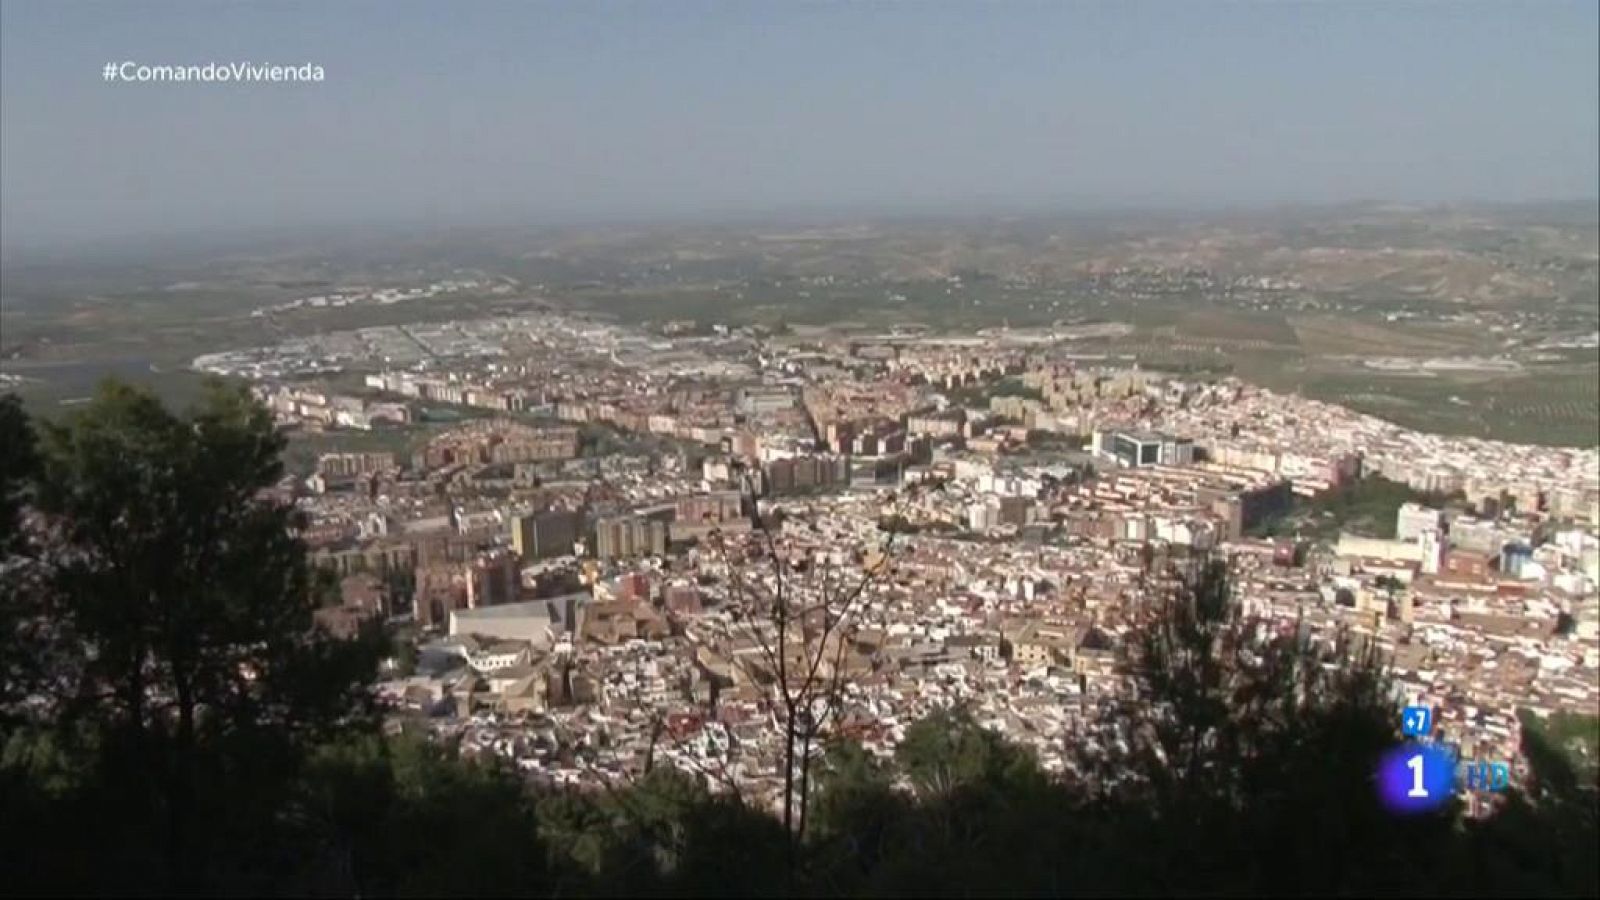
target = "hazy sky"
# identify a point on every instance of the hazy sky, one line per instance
(475, 111)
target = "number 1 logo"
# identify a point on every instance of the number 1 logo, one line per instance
(1415, 778)
(1418, 788)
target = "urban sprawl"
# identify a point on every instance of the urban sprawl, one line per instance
(588, 557)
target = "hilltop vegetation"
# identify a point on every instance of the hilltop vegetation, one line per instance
(1576, 736)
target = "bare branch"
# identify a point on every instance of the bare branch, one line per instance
(723, 776)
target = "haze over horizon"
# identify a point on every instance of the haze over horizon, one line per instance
(479, 112)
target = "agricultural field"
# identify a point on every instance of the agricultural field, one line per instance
(1345, 335)
(1556, 406)
(1241, 331)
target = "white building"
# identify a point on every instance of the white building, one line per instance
(1413, 519)
(1432, 544)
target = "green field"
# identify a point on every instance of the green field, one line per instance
(1558, 407)
(1237, 331)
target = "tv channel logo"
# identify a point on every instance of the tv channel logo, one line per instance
(1493, 777)
(1416, 778)
(1416, 721)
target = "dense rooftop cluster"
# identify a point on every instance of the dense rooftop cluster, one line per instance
(1007, 506)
